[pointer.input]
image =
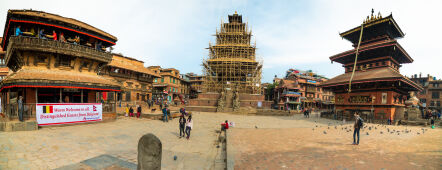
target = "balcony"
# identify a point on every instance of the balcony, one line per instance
(51, 46)
(311, 90)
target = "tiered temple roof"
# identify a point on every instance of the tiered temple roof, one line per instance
(378, 44)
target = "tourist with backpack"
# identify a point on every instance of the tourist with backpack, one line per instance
(182, 125)
(357, 127)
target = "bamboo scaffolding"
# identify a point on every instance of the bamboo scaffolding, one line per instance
(231, 62)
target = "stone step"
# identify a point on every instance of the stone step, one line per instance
(15, 125)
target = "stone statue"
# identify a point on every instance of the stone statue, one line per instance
(412, 112)
(149, 152)
(412, 101)
(221, 102)
(236, 103)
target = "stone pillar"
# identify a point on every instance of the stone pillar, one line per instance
(149, 152)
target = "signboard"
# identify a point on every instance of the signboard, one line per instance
(311, 81)
(260, 104)
(359, 99)
(67, 113)
(384, 98)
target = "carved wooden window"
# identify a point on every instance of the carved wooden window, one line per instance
(41, 59)
(127, 96)
(63, 61)
(85, 64)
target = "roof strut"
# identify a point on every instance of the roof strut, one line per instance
(356, 58)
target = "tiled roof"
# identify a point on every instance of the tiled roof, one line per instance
(44, 75)
(369, 75)
(129, 66)
(290, 84)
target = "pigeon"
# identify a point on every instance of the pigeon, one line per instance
(328, 127)
(256, 127)
(316, 125)
(418, 133)
(369, 128)
(336, 127)
(367, 133)
(325, 132)
(388, 130)
(375, 128)
(382, 132)
(313, 129)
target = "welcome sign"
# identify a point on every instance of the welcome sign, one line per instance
(66, 113)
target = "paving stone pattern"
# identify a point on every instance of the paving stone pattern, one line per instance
(305, 148)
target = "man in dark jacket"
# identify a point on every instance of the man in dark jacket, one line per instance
(357, 127)
(182, 122)
(139, 111)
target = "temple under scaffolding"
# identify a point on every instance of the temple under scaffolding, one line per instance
(232, 64)
(232, 75)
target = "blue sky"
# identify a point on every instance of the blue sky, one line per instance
(288, 34)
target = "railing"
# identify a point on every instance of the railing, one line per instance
(51, 46)
(109, 107)
(11, 110)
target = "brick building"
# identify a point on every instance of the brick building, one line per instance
(168, 86)
(47, 69)
(430, 96)
(301, 89)
(136, 80)
(196, 82)
(3, 69)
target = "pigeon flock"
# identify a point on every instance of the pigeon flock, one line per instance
(371, 128)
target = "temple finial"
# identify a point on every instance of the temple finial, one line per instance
(372, 11)
(236, 12)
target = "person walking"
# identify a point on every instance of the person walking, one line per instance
(189, 126)
(165, 115)
(357, 126)
(131, 112)
(149, 103)
(127, 110)
(20, 108)
(139, 111)
(182, 125)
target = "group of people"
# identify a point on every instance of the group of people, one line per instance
(431, 114)
(307, 112)
(56, 37)
(185, 125)
(130, 111)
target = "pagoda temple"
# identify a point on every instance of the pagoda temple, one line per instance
(232, 75)
(376, 88)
